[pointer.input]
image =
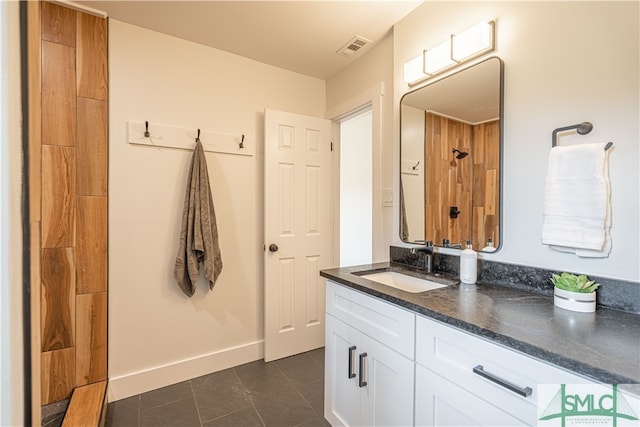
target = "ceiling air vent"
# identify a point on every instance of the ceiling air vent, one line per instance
(353, 46)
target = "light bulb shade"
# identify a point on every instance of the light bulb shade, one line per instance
(413, 69)
(473, 42)
(438, 58)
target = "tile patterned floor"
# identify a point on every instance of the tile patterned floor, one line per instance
(285, 392)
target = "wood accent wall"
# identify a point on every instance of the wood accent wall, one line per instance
(470, 183)
(69, 161)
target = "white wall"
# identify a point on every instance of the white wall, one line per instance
(157, 335)
(413, 138)
(565, 62)
(356, 197)
(11, 342)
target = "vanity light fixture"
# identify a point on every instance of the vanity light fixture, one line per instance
(438, 59)
(459, 49)
(473, 42)
(413, 69)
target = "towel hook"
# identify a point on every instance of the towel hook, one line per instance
(146, 129)
(241, 145)
(198, 137)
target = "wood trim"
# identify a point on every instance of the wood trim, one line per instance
(35, 139)
(86, 406)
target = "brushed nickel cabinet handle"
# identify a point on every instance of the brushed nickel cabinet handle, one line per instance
(362, 381)
(352, 362)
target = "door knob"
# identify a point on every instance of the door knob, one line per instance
(273, 247)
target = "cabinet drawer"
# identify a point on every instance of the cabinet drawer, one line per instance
(388, 324)
(442, 403)
(454, 354)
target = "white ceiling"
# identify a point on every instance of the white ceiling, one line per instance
(300, 36)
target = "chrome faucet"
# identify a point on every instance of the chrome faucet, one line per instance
(427, 250)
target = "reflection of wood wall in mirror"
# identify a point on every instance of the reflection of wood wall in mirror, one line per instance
(469, 183)
(486, 176)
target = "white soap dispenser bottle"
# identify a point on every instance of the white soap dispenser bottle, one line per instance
(468, 265)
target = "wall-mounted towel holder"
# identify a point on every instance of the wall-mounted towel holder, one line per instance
(139, 133)
(582, 129)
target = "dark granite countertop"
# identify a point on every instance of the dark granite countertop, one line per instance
(604, 345)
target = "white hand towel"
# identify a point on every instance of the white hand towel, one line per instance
(576, 200)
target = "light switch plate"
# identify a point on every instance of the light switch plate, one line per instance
(387, 197)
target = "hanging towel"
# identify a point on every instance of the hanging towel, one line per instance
(577, 211)
(199, 232)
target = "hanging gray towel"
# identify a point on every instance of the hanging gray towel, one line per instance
(199, 232)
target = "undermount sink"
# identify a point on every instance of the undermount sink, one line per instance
(403, 281)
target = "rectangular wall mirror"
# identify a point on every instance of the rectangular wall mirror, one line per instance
(451, 159)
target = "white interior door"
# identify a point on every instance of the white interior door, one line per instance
(298, 231)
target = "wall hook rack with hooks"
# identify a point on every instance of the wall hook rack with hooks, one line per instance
(581, 128)
(182, 138)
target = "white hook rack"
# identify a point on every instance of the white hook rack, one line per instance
(183, 138)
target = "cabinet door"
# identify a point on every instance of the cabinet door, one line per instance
(387, 399)
(442, 403)
(341, 391)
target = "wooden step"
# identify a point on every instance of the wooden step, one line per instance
(85, 407)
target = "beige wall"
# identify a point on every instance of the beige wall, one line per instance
(565, 62)
(11, 344)
(158, 336)
(372, 69)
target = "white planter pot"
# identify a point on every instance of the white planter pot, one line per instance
(575, 301)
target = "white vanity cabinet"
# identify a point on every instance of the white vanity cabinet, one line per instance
(385, 365)
(465, 380)
(369, 368)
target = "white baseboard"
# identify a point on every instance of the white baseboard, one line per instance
(124, 386)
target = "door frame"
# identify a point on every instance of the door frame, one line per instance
(370, 98)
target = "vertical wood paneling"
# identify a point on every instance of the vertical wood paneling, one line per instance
(92, 147)
(91, 251)
(58, 24)
(91, 338)
(92, 57)
(68, 66)
(58, 298)
(58, 94)
(447, 180)
(58, 375)
(58, 196)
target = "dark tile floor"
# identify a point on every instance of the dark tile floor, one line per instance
(285, 392)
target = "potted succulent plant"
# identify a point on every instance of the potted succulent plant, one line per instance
(572, 292)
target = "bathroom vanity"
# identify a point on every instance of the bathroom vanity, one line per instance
(460, 355)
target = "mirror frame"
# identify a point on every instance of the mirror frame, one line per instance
(500, 154)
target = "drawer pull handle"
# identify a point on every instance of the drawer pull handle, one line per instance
(362, 381)
(524, 392)
(352, 362)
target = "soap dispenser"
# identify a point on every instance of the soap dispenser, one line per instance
(468, 265)
(490, 247)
